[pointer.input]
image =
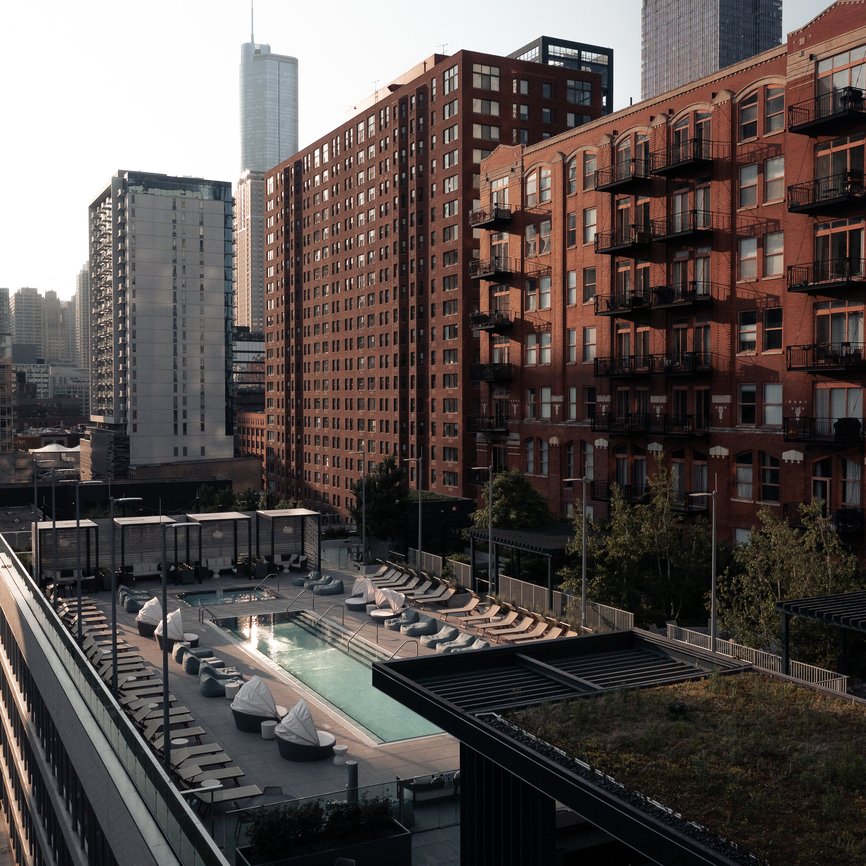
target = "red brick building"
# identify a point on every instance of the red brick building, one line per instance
(368, 288)
(686, 277)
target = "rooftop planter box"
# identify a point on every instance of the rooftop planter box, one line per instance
(309, 835)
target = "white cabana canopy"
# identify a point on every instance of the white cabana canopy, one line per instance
(298, 726)
(255, 698)
(390, 598)
(151, 612)
(363, 588)
(174, 625)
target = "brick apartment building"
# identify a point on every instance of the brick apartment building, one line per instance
(368, 287)
(686, 276)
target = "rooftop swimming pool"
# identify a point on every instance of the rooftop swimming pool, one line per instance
(225, 596)
(340, 679)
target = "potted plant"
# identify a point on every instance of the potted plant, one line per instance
(313, 835)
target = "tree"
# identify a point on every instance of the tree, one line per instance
(516, 504)
(646, 558)
(386, 496)
(782, 562)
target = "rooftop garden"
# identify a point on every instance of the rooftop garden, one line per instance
(778, 769)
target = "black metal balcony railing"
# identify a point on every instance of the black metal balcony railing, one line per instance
(492, 217)
(623, 303)
(684, 363)
(490, 427)
(829, 112)
(629, 365)
(683, 157)
(684, 501)
(632, 493)
(623, 175)
(693, 292)
(495, 321)
(491, 372)
(685, 425)
(833, 195)
(841, 431)
(686, 225)
(624, 238)
(828, 274)
(492, 268)
(825, 357)
(630, 422)
(848, 520)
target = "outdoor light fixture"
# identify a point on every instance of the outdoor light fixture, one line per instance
(584, 481)
(419, 464)
(491, 576)
(712, 498)
(111, 503)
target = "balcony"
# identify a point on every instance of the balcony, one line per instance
(695, 292)
(496, 217)
(836, 195)
(628, 175)
(684, 501)
(685, 425)
(601, 491)
(827, 276)
(492, 321)
(684, 158)
(837, 431)
(684, 364)
(623, 304)
(625, 240)
(630, 422)
(828, 114)
(826, 357)
(489, 428)
(493, 373)
(630, 365)
(495, 268)
(688, 227)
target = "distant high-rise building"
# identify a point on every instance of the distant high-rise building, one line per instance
(683, 40)
(553, 51)
(161, 306)
(269, 107)
(82, 318)
(269, 134)
(5, 313)
(57, 329)
(26, 310)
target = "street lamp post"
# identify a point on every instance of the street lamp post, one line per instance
(584, 480)
(78, 546)
(491, 575)
(419, 461)
(713, 629)
(111, 503)
(363, 510)
(166, 737)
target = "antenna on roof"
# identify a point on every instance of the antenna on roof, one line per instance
(252, 37)
(442, 47)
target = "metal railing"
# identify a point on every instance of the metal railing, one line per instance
(339, 607)
(761, 659)
(409, 640)
(836, 188)
(602, 618)
(275, 574)
(826, 106)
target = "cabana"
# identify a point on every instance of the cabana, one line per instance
(285, 532)
(299, 740)
(254, 704)
(222, 552)
(57, 551)
(144, 535)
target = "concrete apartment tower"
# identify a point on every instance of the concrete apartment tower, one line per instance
(684, 40)
(269, 134)
(161, 306)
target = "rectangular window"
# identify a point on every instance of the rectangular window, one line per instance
(571, 345)
(529, 456)
(773, 404)
(769, 478)
(544, 292)
(449, 109)
(485, 131)
(743, 476)
(589, 403)
(774, 179)
(589, 221)
(548, 115)
(520, 86)
(774, 254)
(450, 80)
(571, 288)
(773, 329)
(747, 259)
(544, 348)
(545, 395)
(748, 186)
(485, 77)
(589, 344)
(748, 117)
(520, 111)
(747, 413)
(544, 181)
(774, 109)
(589, 168)
(530, 403)
(486, 106)
(588, 284)
(571, 230)
(531, 350)
(572, 404)
(747, 331)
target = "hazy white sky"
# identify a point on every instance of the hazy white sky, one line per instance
(96, 86)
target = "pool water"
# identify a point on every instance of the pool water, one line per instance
(225, 596)
(340, 679)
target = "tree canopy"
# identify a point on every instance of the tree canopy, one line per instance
(384, 490)
(516, 504)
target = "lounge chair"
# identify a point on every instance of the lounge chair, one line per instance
(464, 640)
(478, 643)
(389, 603)
(465, 609)
(334, 586)
(490, 614)
(405, 583)
(408, 616)
(363, 593)
(547, 633)
(445, 634)
(422, 589)
(312, 582)
(425, 625)
(503, 622)
(441, 596)
(522, 627)
(299, 740)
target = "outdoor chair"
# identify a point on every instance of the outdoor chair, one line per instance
(444, 634)
(464, 609)
(425, 625)
(406, 618)
(299, 740)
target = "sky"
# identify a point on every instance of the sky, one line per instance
(93, 87)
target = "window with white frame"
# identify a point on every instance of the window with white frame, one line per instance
(589, 344)
(529, 456)
(543, 456)
(544, 184)
(774, 179)
(851, 475)
(747, 259)
(571, 347)
(589, 278)
(531, 349)
(545, 395)
(743, 476)
(450, 80)
(774, 254)
(748, 186)
(747, 331)
(544, 283)
(772, 404)
(589, 223)
(571, 288)
(769, 478)
(746, 403)
(544, 348)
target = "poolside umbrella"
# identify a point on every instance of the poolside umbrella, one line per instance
(174, 626)
(389, 598)
(254, 698)
(298, 726)
(151, 613)
(363, 589)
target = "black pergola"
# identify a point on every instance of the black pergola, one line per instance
(549, 542)
(844, 610)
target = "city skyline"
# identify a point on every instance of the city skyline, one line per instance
(78, 55)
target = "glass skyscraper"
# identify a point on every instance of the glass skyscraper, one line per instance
(683, 40)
